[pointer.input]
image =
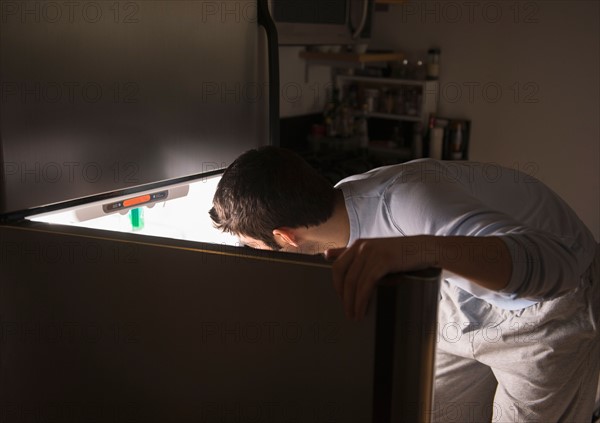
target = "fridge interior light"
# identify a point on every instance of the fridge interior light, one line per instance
(183, 215)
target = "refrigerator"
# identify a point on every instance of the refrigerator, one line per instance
(118, 299)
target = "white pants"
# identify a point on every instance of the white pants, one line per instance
(538, 364)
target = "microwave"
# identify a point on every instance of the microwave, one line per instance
(321, 22)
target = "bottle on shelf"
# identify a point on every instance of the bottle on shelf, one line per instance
(436, 138)
(387, 101)
(400, 70)
(457, 143)
(436, 143)
(412, 102)
(346, 120)
(420, 71)
(352, 96)
(433, 64)
(371, 99)
(399, 106)
(428, 135)
(331, 114)
(362, 128)
(417, 144)
(328, 120)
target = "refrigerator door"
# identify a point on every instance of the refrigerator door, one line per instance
(106, 326)
(102, 96)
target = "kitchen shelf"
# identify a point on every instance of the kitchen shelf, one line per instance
(392, 116)
(350, 58)
(346, 60)
(387, 81)
(428, 90)
(400, 116)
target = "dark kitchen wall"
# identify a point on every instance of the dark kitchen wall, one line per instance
(527, 75)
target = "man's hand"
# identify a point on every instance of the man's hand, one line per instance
(358, 268)
(483, 260)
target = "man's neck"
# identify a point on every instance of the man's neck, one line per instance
(335, 232)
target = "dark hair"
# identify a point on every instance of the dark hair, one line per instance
(269, 188)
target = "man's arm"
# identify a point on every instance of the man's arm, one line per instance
(483, 260)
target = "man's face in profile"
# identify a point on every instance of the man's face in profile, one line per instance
(253, 243)
(306, 247)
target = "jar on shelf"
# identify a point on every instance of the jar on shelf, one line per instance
(386, 103)
(401, 70)
(411, 106)
(399, 108)
(371, 99)
(420, 71)
(433, 63)
(457, 142)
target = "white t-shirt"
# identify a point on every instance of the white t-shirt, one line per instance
(550, 246)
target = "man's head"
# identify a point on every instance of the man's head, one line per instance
(268, 189)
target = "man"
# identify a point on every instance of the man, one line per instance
(519, 309)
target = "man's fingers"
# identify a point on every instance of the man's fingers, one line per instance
(344, 269)
(365, 290)
(369, 264)
(340, 269)
(351, 284)
(354, 277)
(355, 273)
(358, 268)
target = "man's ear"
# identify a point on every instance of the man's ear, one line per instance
(286, 236)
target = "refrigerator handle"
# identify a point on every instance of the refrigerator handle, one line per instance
(265, 20)
(405, 345)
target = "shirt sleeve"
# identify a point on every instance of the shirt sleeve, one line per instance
(543, 265)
